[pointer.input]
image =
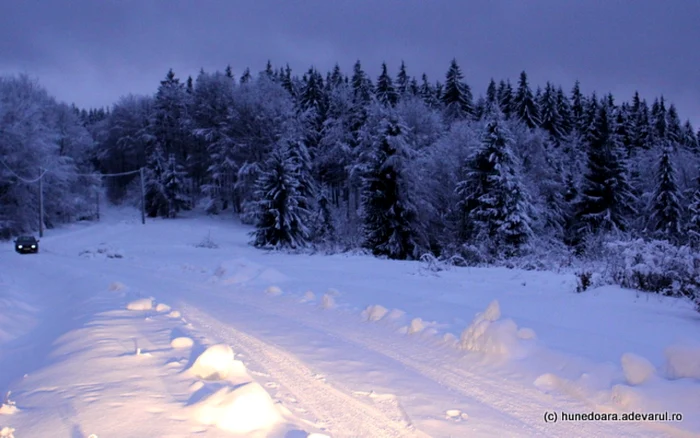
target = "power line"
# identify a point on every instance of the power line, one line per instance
(28, 181)
(31, 181)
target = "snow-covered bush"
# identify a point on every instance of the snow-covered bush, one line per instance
(655, 266)
(207, 242)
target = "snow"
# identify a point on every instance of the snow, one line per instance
(89, 347)
(140, 304)
(637, 369)
(683, 361)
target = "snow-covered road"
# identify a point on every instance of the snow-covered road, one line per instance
(79, 363)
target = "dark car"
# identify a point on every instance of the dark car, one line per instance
(26, 244)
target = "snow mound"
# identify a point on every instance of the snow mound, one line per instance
(526, 333)
(682, 361)
(162, 307)
(317, 435)
(140, 304)
(116, 286)
(374, 313)
(182, 342)
(273, 291)
(236, 271)
(216, 363)
(637, 369)
(102, 252)
(7, 432)
(174, 314)
(396, 314)
(272, 276)
(488, 334)
(327, 302)
(416, 326)
(308, 296)
(245, 409)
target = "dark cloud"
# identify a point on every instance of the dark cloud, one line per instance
(92, 52)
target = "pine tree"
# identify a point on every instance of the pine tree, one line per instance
(505, 98)
(565, 112)
(384, 89)
(524, 105)
(606, 201)
(402, 81)
(578, 105)
(173, 182)
(390, 216)
(666, 211)
(492, 195)
(156, 194)
(551, 120)
(456, 96)
(246, 76)
(280, 221)
(675, 130)
(688, 138)
(427, 93)
(298, 155)
(693, 225)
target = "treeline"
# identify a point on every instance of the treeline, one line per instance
(398, 165)
(41, 139)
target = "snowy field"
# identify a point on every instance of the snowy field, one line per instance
(118, 329)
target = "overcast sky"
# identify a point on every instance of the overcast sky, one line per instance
(91, 52)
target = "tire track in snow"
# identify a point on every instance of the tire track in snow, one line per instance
(524, 405)
(340, 414)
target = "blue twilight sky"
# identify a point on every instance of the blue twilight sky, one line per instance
(91, 52)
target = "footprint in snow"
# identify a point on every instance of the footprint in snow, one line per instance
(272, 385)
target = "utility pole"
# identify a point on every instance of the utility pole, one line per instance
(41, 204)
(143, 199)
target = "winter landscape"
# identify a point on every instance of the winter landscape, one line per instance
(348, 252)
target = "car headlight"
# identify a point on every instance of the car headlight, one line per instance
(33, 246)
(19, 246)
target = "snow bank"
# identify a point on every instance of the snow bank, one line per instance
(683, 361)
(7, 432)
(217, 363)
(245, 409)
(374, 313)
(236, 271)
(182, 342)
(489, 334)
(174, 314)
(140, 304)
(239, 271)
(637, 369)
(162, 307)
(416, 326)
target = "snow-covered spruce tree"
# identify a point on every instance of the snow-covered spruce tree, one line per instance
(280, 220)
(298, 156)
(456, 96)
(524, 105)
(666, 211)
(606, 201)
(174, 186)
(693, 225)
(492, 194)
(384, 90)
(390, 216)
(156, 195)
